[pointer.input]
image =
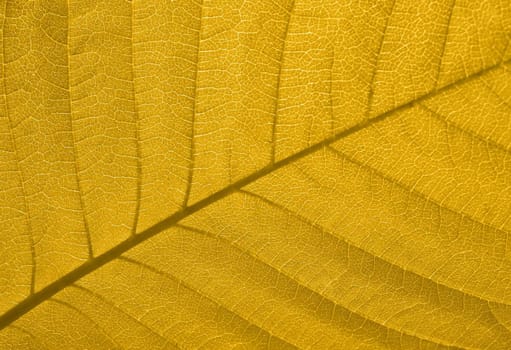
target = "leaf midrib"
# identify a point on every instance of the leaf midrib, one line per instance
(93, 264)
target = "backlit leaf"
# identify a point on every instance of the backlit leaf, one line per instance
(216, 174)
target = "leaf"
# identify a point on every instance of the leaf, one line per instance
(255, 174)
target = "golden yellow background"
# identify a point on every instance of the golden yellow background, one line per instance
(244, 174)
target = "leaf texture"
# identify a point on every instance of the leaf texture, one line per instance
(273, 174)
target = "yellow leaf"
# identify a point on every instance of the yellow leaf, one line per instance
(216, 174)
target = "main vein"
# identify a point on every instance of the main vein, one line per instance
(91, 265)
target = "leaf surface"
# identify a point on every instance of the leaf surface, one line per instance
(255, 174)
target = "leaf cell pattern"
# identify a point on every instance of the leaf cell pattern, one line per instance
(273, 174)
